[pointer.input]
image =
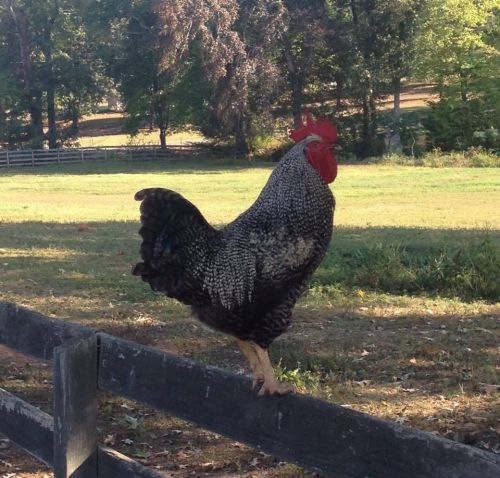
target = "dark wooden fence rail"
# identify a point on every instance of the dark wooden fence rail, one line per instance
(39, 157)
(320, 436)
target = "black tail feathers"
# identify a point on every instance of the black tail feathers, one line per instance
(171, 230)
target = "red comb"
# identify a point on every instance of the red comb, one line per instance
(322, 128)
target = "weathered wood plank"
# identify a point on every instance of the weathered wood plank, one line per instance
(33, 430)
(75, 409)
(27, 426)
(34, 334)
(113, 464)
(315, 434)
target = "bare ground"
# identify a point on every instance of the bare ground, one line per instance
(390, 362)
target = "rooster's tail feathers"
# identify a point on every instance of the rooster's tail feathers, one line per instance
(172, 231)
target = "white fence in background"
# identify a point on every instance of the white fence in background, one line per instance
(37, 157)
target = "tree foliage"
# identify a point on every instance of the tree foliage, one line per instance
(458, 48)
(233, 67)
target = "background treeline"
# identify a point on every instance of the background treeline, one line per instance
(241, 69)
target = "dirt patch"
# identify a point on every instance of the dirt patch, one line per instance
(102, 124)
(412, 96)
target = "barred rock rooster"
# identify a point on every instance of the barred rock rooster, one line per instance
(245, 278)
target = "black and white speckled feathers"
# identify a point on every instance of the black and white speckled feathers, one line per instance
(244, 279)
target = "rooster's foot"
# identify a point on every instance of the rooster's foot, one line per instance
(273, 387)
(263, 373)
(258, 380)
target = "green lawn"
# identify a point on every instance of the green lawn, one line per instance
(367, 196)
(401, 319)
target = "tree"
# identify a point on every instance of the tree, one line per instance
(247, 75)
(42, 52)
(210, 26)
(458, 48)
(357, 43)
(77, 69)
(371, 49)
(397, 29)
(452, 45)
(19, 52)
(303, 45)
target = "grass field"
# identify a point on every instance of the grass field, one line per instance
(401, 320)
(108, 129)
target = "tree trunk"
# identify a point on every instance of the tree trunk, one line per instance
(395, 137)
(297, 99)
(75, 119)
(74, 116)
(365, 129)
(397, 101)
(338, 92)
(160, 109)
(296, 84)
(50, 80)
(36, 125)
(51, 112)
(463, 86)
(163, 137)
(31, 94)
(373, 114)
(369, 128)
(241, 136)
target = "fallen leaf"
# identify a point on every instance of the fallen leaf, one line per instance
(362, 383)
(110, 440)
(489, 388)
(86, 228)
(481, 329)
(254, 461)
(209, 466)
(141, 454)
(4, 443)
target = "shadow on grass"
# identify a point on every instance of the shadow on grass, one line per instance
(108, 126)
(60, 258)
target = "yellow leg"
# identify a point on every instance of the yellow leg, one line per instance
(253, 360)
(271, 384)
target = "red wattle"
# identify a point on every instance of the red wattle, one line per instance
(323, 160)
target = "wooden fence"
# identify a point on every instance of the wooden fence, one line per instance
(39, 157)
(320, 436)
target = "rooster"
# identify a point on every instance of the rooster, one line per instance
(245, 278)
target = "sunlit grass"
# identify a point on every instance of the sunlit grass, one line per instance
(144, 138)
(367, 196)
(108, 129)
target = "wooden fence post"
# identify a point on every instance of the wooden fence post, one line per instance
(75, 409)
(8, 161)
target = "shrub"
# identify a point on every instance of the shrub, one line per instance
(453, 124)
(471, 158)
(469, 272)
